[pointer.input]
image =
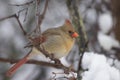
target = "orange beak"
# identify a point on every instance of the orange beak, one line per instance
(75, 35)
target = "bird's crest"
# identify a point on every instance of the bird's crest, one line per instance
(67, 22)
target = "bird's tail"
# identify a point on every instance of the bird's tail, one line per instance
(17, 66)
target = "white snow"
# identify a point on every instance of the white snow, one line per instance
(98, 68)
(97, 65)
(107, 42)
(105, 22)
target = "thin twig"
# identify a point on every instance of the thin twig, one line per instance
(17, 18)
(37, 15)
(42, 63)
(77, 21)
(26, 15)
(24, 32)
(81, 57)
(41, 17)
(11, 16)
(26, 12)
(27, 3)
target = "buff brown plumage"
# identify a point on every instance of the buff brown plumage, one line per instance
(58, 41)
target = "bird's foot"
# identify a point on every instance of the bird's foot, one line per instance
(57, 61)
(68, 69)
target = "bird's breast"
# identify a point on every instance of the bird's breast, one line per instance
(57, 45)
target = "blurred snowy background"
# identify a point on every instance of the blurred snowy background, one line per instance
(101, 19)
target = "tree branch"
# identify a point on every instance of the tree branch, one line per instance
(78, 23)
(36, 62)
(17, 18)
(39, 16)
(39, 20)
(27, 3)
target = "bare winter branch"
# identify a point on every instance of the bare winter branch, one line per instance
(36, 62)
(40, 17)
(24, 4)
(17, 18)
(77, 21)
(26, 12)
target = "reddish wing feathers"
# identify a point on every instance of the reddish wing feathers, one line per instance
(38, 40)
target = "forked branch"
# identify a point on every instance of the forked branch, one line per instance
(17, 18)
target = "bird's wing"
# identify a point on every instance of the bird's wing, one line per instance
(36, 41)
(41, 39)
(55, 44)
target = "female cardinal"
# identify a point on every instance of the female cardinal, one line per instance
(57, 41)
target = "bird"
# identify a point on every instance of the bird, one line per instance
(58, 41)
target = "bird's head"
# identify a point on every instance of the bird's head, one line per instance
(68, 28)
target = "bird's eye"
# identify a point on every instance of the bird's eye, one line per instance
(70, 32)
